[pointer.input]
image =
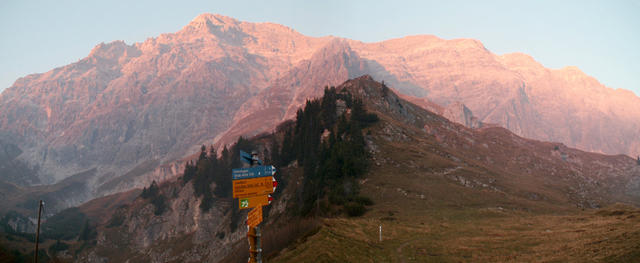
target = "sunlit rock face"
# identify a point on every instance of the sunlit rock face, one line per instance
(125, 106)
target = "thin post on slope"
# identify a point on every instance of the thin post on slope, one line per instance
(258, 245)
(258, 257)
(38, 231)
(251, 236)
(255, 244)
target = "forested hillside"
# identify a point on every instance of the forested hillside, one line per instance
(326, 139)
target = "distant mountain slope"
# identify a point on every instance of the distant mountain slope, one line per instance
(513, 91)
(126, 106)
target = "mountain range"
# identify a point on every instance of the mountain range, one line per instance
(129, 114)
(439, 189)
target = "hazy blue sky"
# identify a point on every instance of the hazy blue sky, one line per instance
(600, 37)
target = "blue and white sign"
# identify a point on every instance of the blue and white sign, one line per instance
(247, 158)
(253, 172)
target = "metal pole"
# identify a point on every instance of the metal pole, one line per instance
(255, 250)
(252, 244)
(258, 248)
(38, 231)
(258, 245)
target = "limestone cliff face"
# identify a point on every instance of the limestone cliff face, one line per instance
(329, 66)
(513, 91)
(182, 232)
(125, 106)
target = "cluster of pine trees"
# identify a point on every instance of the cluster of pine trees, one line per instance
(328, 145)
(155, 197)
(210, 168)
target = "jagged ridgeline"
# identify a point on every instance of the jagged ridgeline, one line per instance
(326, 140)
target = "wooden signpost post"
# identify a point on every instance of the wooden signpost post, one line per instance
(255, 216)
(253, 186)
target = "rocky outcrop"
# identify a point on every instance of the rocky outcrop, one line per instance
(18, 223)
(205, 236)
(13, 169)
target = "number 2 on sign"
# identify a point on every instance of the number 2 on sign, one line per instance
(244, 203)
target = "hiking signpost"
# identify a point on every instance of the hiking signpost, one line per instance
(254, 201)
(253, 187)
(253, 172)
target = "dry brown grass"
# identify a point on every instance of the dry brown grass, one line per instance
(525, 213)
(476, 235)
(276, 238)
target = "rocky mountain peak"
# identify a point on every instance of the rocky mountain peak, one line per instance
(208, 19)
(114, 50)
(371, 91)
(523, 64)
(470, 44)
(518, 59)
(222, 27)
(335, 46)
(574, 73)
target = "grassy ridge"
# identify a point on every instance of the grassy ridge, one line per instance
(444, 193)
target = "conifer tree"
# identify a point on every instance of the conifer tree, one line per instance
(212, 153)
(87, 232)
(203, 153)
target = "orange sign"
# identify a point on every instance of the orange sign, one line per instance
(253, 201)
(255, 216)
(253, 187)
